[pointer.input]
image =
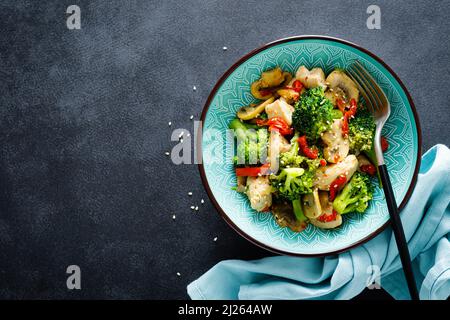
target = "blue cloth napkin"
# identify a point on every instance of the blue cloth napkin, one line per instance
(426, 220)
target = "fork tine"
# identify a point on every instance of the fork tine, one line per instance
(367, 94)
(361, 89)
(365, 83)
(373, 83)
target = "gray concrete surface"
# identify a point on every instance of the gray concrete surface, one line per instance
(83, 129)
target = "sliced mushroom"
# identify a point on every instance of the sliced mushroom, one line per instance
(255, 89)
(337, 146)
(259, 192)
(287, 78)
(288, 94)
(341, 86)
(334, 94)
(252, 111)
(327, 210)
(311, 204)
(264, 87)
(362, 160)
(326, 175)
(272, 78)
(311, 79)
(284, 216)
(280, 108)
(324, 199)
(277, 145)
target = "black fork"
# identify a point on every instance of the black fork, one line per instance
(378, 104)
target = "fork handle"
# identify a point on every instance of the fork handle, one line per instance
(399, 234)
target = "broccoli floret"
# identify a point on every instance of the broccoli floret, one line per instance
(297, 173)
(291, 158)
(296, 177)
(355, 196)
(313, 113)
(361, 131)
(293, 182)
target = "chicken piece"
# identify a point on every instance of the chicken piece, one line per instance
(337, 146)
(326, 175)
(259, 192)
(277, 144)
(311, 79)
(311, 205)
(280, 108)
(252, 111)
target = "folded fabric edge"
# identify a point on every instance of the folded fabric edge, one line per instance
(194, 291)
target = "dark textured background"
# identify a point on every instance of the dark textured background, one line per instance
(83, 176)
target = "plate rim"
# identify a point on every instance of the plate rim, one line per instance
(199, 153)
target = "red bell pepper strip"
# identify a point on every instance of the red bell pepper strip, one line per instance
(297, 85)
(345, 125)
(276, 123)
(352, 110)
(306, 150)
(336, 185)
(341, 105)
(347, 115)
(253, 171)
(328, 218)
(384, 144)
(369, 169)
(323, 162)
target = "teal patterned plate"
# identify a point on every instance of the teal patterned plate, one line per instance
(233, 91)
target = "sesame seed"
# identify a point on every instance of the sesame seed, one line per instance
(181, 134)
(202, 201)
(192, 207)
(191, 117)
(189, 193)
(167, 153)
(170, 123)
(178, 274)
(224, 48)
(181, 140)
(174, 217)
(196, 208)
(215, 239)
(188, 135)
(194, 88)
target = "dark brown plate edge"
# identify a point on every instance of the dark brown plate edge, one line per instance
(202, 169)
